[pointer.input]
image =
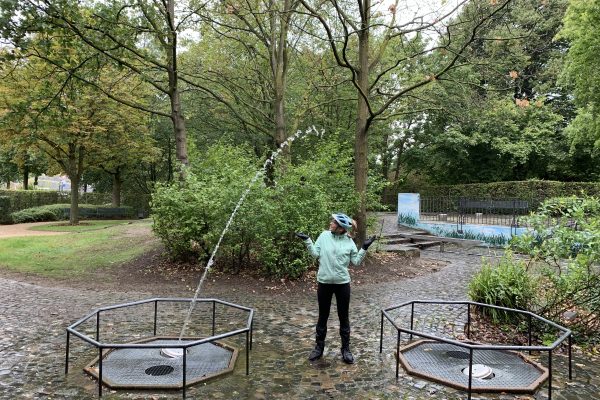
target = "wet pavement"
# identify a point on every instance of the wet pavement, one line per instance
(33, 319)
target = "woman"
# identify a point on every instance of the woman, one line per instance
(335, 250)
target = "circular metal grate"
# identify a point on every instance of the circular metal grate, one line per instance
(159, 370)
(463, 355)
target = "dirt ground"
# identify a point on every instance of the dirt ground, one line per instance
(155, 268)
(154, 271)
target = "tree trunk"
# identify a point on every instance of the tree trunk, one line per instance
(74, 214)
(117, 182)
(279, 60)
(74, 172)
(176, 113)
(385, 162)
(362, 125)
(25, 176)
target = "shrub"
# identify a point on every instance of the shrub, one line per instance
(564, 244)
(534, 191)
(54, 212)
(5, 210)
(506, 285)
(57, 212)
(189, 216)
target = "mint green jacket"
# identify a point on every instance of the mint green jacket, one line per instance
(335, 253)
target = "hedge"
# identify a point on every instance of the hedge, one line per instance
(534, 191)
(57, 212)
(24, 199)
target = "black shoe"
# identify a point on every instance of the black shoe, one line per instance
(347, 355)
(316, 353)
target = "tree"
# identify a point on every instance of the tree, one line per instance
(375, 51)
(581, 70)
(64, 117)
(9, 170)
(140, 37)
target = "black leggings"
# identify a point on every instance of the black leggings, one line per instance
(325, 292)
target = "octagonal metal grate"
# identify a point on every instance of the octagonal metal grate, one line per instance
(444, 362)
(149, 368)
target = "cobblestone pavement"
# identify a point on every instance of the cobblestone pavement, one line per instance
(33, 319)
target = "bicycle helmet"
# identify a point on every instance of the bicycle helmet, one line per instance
(343, 220)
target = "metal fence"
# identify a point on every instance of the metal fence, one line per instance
(505, 212)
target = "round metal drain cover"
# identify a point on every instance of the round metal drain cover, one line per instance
(480, 371)
(458, 354)
(159, 370)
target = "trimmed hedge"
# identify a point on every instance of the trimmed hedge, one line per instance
(58, 212)
(4, 209)
(23, 199)
(534, 191)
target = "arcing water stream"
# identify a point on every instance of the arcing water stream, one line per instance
(269, 161)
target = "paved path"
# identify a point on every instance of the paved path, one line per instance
(32, 334)
(33, 319)
(23, 230)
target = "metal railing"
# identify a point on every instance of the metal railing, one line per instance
(101, 345)
(410, 330)
(461, 211)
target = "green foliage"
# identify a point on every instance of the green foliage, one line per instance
(582, 29)
(190, 216)
(23, 199)
(54, 212)
(57, 212)
(535, 191)
(506, 285)
(4, 209)
(564, 244)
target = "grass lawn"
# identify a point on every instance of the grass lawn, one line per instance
(78, 252)
(83, 226)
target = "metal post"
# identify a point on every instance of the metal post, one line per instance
(397, 355)
(155, 314)
(381, 335)
(98, 326)
(251, 333)
(468, 320)
(213, 318)
(470, 372)
(570, 358)
(247, 353)
(184, 370)
(550, 375)
(412, 317)
(67, 354)
(529, 332)
(99, 371)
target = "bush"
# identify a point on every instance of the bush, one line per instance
(58, 212)
(54, 212)
(5, 210)
(506, 285)
(23, 199)
(564, 244)
(189, 216)
(534, 191)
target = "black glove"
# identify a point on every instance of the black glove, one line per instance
(368, 242)
(302, 236)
